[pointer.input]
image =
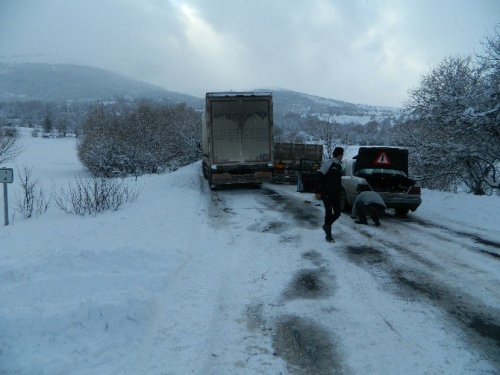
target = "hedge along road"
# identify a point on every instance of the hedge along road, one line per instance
(384, 299)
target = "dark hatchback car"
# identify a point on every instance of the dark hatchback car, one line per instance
(381, 169)
(384, 170)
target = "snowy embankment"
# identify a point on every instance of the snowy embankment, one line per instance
(131, 291)
(176, 282)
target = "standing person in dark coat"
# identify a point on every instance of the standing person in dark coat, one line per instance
(368, 203)
(329, 188)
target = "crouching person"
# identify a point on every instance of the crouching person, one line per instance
(368, 204)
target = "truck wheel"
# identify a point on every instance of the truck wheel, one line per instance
(210, 181)
(204, 170)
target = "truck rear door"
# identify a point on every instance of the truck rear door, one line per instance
(241, 130)
(256, 132)
(226, 133)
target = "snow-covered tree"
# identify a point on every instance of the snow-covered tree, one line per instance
(485, 114)
(147, 140)
(62, 127)
(453, 127)
(327, 134)
(48, 125)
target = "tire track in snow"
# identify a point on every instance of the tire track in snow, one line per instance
(407, 273)
(479, 320)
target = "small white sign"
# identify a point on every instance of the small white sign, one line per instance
(6, 175)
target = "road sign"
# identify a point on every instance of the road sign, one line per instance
(6, 175)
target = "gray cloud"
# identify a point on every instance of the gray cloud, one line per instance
(360, 51)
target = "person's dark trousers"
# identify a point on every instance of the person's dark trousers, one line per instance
(375, 210)
(332, 209)
(361, 211)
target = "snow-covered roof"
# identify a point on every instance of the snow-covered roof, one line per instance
(240, 93)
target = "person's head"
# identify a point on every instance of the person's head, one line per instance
(338, 153)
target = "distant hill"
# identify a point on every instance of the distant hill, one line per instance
(331, 110)
(61, 82)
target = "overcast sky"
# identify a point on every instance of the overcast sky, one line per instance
(360, 51)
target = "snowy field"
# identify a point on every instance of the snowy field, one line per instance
(184, 280)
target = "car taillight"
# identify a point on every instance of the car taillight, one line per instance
(415, 190)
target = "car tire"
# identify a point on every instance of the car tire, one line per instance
(402, 211)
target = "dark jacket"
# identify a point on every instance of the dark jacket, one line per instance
(329, 178)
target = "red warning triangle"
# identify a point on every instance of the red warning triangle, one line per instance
(382, 160)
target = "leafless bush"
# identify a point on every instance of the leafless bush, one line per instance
(32, 200)
(9, 145)
(90, 196)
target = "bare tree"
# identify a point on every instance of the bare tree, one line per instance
(62, 127)
(9, 144)
(330, 134)
(48, 125)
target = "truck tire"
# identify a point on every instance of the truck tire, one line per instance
(210, 181)
(204, 170)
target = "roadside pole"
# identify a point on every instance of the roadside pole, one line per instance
(7, 177)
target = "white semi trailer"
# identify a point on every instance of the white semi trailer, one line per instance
(237, 138)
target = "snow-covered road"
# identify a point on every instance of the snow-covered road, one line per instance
(413, 290)
(241, 281)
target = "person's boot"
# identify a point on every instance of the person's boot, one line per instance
(328, 233)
